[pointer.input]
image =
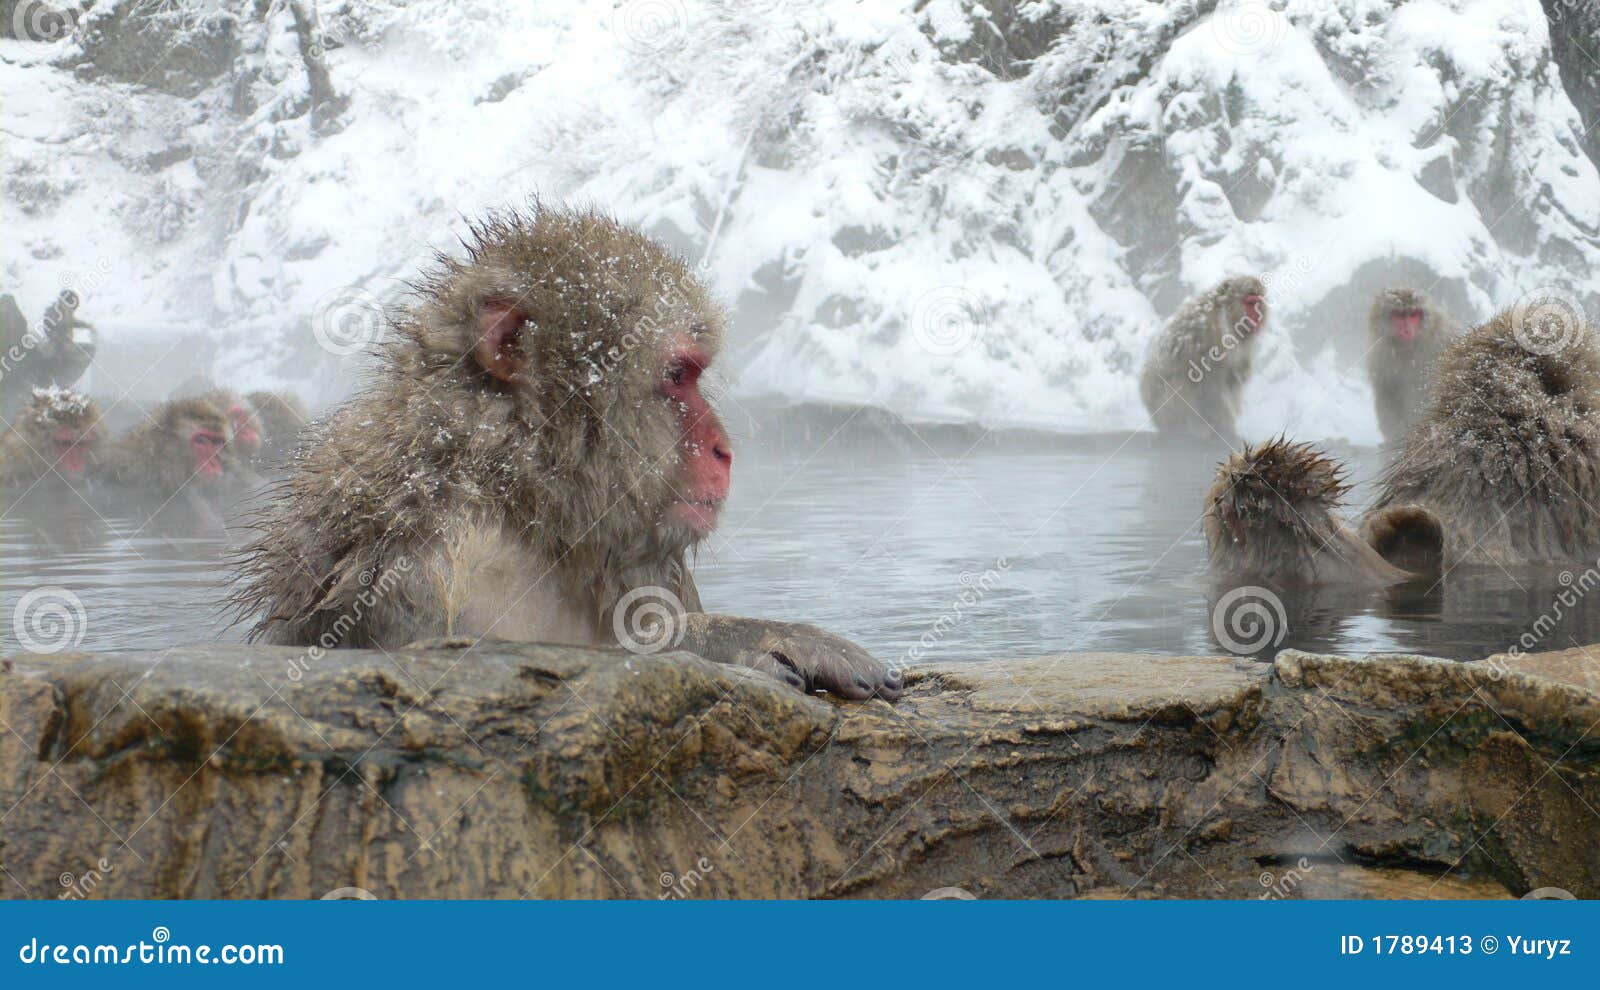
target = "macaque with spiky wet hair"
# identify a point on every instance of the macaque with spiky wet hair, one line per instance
(55, 435)
(1196, 368)
(1271, 516)
(1502, 470)
(533, 460)
(1406, 335)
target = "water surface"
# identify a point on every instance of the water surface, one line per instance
(926, 543)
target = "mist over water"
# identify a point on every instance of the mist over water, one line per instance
(921, 543)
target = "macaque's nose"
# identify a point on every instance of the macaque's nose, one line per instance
(723, 453)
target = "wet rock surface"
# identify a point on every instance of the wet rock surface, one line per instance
(510, 770)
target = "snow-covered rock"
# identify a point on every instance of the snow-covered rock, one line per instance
(950, 209)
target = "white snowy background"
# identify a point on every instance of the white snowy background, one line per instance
(952, 210)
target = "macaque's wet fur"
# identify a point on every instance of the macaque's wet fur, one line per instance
(168, 452)
(518, 481)
(1272, 516)
(1406, 335)
(1196, 369)
(55, 435)
(1507, 453)
(282, 417)
(1503, 469)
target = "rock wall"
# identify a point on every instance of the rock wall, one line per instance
(527, 771)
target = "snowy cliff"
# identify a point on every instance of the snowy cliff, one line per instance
(954, 210)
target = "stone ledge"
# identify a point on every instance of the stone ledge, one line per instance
(521, 770)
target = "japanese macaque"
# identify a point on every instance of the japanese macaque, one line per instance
(1196, 369)
(179, 448)
(55, 436)
(1272, 516)
(533, 461)
(1506, 455)
(282, 416)
(1407, 334)
(1503, 469)
(245, 432)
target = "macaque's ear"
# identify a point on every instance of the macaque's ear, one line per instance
(499, 348)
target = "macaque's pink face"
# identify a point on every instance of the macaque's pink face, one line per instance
(69, 451)
(1255, 312)
(205, 446)
(245, 435)
(705, 455)
(1407, 322)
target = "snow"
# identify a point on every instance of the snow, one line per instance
(900, 214)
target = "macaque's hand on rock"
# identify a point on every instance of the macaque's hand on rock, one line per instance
(802, 656)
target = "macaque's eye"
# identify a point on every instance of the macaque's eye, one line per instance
(676, 372)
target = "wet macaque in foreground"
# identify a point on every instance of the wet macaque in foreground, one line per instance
(535, 458)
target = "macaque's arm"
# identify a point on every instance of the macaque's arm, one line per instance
(803, 656)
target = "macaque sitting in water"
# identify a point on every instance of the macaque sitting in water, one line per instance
(535, 458)
(1272, 517)
(1502, 469)
(55, 438)
(177, 450)
(1406, 335)
(1196, 368)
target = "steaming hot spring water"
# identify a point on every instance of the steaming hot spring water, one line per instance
(926, 543)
